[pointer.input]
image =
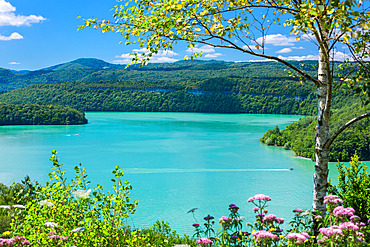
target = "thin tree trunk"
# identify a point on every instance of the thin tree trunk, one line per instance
(322, 128)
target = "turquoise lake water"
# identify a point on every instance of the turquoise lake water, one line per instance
(175, 162)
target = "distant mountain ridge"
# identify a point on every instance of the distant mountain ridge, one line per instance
(83, 63)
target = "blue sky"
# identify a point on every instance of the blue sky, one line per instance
(41, 33)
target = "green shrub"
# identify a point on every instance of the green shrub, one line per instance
(354, 187)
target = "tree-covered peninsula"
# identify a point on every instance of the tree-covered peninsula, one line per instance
(36, 114)
(299, 136)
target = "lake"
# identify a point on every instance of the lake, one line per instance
(175, 162)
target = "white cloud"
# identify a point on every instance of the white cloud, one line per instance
(298, 48)
(12, 36)
(213, 55)
(284, 50)
(14, 63)
(278, 40)
(9, 18)
(161, 57)
(6, 7)
(204, 49)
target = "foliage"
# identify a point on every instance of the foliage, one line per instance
(63, 213)
(354, 187)
(300, 135)
(35, 114)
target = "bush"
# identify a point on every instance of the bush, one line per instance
(354, 187)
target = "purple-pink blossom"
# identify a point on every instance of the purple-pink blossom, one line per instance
(209, 217)
(269, 218)
(341, 211)
(259, 235)
(332, 199)
(259, 197)
(255, 209)
(55, 237)
(297, 210)
(196, 224)
(204, 241)
(225, 219)
(279, 220)
(298, 237)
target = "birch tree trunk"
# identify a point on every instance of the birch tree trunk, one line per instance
(322, 127)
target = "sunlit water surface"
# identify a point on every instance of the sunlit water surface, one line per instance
(175, 162)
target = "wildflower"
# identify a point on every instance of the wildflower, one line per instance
(51, 224)
(45, 203)
(246, 233)
(332, 199)
(78, 229)
(196, 224)
(204, 241)
(299, 238)
(269, 218)
(64, 238)
(348, 225)
(209, 217)
(255, 209)
(54, 237)
(6, 233)
(18, 206)
(25, 242)
(341, 211)
(259, 197)
(355, 218)
(224, 219)
(297, 210)
(259, 235)
(279, 220)
(81, 194)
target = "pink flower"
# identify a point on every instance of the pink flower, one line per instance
(332, 199)
(259, 197)
(297, 210)
(259, 235)
(279, 220)
(224, 219)
(55, 237)
(255, 209)
(298, 237)
(341, 211)
(204, 241)
(269, 218)
(25, 242)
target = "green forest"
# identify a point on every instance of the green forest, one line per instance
(35, 114)
(299, 136)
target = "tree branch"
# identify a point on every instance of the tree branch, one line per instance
(330, 141)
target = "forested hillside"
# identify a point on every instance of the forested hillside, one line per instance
(177, 75)
(299, 136)
(34, 114)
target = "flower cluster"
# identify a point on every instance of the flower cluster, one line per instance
(332, 199)
(299, 238)
(261, 235)
(14, 241)
(341, 212)
(204, 241)
(259, 197)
